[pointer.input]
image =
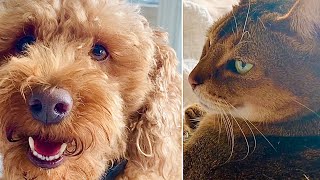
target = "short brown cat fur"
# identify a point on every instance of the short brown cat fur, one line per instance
(264, 122)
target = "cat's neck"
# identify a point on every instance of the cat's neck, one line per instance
(308, 125)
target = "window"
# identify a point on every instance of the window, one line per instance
(145, 1)
(167, 15)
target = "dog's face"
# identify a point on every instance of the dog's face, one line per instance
(71, 71)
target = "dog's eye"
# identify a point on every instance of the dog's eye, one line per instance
(99, 52)
(23, 43)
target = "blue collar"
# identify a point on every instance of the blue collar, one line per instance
(115, 170)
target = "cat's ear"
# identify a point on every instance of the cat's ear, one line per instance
(303, 19)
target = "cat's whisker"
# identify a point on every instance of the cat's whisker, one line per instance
(244, 31)
(246, 120)
(226, 126)
(228, 131)
(195, 120)
(232, 30)
(230, 125)
(235, 21)
(253, 135)
(305, 176)
(262, 23)
(243, 34)
(224, 122)
(220, 120)
(245, 22)
(245, 138)
(244, 42)
(307, 108)
(262, 135)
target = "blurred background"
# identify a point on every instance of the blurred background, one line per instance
(1, 167)
(166, 15)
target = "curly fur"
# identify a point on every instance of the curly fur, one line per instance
(125, 107)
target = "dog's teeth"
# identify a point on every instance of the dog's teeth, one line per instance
(57, 156)
(51, 158)
(43, 158)
(46, 158)
(31, 143)
(35, 153)
(63, 148)
(39, 156)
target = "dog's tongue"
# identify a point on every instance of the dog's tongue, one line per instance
(47, 148)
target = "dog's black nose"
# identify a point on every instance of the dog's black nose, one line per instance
(50, 106)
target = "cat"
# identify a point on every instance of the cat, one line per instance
(258, 83)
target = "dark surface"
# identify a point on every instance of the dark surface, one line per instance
(291, 158)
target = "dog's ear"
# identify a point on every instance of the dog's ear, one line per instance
(160, 116)
(165, 57)
(303, 19)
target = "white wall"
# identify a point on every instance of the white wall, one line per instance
(170, 18)
(1, 166)
(166, 15)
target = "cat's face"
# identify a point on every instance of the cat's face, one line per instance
(262, 66)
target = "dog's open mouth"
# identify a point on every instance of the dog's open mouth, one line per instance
(46, 154)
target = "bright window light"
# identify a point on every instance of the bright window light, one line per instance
(145, 1)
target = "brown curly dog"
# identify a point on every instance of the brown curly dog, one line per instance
(86, 85)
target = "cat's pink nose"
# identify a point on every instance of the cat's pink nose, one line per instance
(194, 79)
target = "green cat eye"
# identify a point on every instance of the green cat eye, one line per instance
(242, 67)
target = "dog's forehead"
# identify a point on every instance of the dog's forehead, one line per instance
(94, 10)
(73, 19)
(75, 11)
(83, 9)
